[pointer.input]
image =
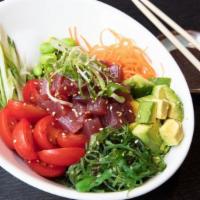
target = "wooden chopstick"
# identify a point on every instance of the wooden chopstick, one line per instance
(171, 23)
(167, 33)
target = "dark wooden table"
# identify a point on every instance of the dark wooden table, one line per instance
(185, 184)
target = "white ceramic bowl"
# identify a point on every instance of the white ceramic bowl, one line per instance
(29, 22)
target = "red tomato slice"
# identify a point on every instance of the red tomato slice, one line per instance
(45, 170)
(71, 140)
(20, 110)
(41, 130)
(61, 156)
(53, 134)
(31, 91)
(6, 126)
(23, 140)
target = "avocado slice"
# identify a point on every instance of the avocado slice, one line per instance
(149, 134)
(162, 108)
(132, 125)
(155, 139)
(141, 131)
(171, 132)
(159, 91)
(176, 111)
(135, 106)
(161, 81)
(139, 86)
(146, 98)
(176, 107)
(146, 112)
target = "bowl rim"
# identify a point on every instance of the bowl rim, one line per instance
(52, 188)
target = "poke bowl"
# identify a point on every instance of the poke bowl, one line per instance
(92, 105)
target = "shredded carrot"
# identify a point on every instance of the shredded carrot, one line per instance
(73, 34)
(123, 52)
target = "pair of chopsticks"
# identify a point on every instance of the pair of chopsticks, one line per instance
(147, 8)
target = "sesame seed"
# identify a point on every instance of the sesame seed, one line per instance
(63, 134)
(89, 119)
(100, 129)
(71, 84)
(136, 141)
(119, 113)
(47, 109)
(56, 94)
(37, 161)
(31, 97)
(65, 88)
(93, 126)
(98, 175)
(53, 113)
(62, 107)
(70, 120)
(120, 121)
(52, 123)
(111, 108)
(80, 113)
(24, 104)
(130, 111)
(75, 112)
(14, 141)
(35, 83)
(29, 161)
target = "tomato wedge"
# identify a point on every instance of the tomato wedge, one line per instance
(31, 91)
(20, 110)
(41, 130)
(53, 134)
(48, 171)
(23, 140)
(61, 156)
(71, 140)
(6, 126)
